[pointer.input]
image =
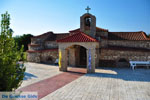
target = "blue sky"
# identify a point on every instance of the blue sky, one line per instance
(60, 16)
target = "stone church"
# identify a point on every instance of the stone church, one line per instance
(89, 46)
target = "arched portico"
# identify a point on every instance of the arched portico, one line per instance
(122, 62)
(91, 54)
(77, 56)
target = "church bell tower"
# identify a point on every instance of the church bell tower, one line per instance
(88, 23)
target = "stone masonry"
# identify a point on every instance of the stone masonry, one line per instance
(112, 49)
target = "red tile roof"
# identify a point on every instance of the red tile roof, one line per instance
(45, 50)
(127, 36)
(111, 35)
(98, 29)
(78, 37)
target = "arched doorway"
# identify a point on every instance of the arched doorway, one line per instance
(77, 56)
(83, 57)
(122, 62)
(89, 49)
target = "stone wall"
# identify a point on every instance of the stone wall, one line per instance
(103, 34)
(131, 55)
(51, 44)
(37, 40)
(72, 56)
(46, 45)
(40, 39)
(49, 57)
(37, 47)
(97, 57)
(138, 44)
(115, 55)
(104, 43)
(43, 57)
(33, 57)
(107, 63)
(92, 31)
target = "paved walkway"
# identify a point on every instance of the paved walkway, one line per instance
(105, 84)
(51, 84)
(36, 72)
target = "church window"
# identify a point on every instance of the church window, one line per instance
(122, 60)
(49, 59)
(87, 21)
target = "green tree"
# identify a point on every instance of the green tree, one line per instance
(11, 72)
(24, 40)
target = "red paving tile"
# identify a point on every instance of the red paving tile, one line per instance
(49, 85)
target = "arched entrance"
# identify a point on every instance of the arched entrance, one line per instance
(83, 57)
(77, 56)
(122, 62)
(87, 54)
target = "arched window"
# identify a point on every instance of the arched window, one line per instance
(122, 60)
(87, 21)
(49, 59)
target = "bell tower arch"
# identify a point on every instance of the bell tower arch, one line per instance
(88, 23)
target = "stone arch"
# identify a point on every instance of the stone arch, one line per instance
(90, 52)
(77, 56)
(87, 21)
(77, 43)
(123, 62)
(49, 59)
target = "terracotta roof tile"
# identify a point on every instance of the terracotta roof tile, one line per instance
(78, 37)
(127, 36)
(98, 29)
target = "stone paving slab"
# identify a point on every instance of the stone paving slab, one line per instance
(107, 84)
(36, 72)
(51, 84)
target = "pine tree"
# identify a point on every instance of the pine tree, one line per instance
(11, 72)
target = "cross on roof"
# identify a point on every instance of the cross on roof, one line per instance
(87, 9)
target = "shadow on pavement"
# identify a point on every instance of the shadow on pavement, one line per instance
(126, 74)
(29, 76)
